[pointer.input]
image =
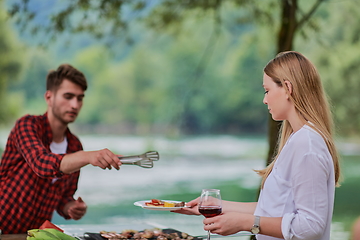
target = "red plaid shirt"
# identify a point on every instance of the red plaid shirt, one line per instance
(27, 195)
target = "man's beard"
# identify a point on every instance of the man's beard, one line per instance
(58, 116)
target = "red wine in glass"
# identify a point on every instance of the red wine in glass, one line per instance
(210, 204)
(210, 211)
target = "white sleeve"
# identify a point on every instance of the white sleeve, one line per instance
(311, 198)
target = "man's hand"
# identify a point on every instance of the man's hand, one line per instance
(75, 209)
(104, 159)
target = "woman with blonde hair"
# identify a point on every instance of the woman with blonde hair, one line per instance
(297, 192)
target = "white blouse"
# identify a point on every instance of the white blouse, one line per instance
(300, 188)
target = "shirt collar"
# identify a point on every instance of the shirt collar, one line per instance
(48, 132)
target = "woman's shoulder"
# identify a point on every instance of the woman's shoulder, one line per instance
(307, 133)
(307, 139)
(307, 144)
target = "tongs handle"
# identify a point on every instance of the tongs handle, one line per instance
(129, 157)
(128, 161)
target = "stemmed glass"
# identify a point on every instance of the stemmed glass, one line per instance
(210, 204)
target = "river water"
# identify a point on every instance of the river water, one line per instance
(185, 167)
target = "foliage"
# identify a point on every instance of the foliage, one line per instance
(157, 83)
(199, 67)
(172, 83)
(336, 53)
(10, 65)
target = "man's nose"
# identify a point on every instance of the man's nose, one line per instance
(75, 103)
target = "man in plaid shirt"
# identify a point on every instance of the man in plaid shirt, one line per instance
(40, 166)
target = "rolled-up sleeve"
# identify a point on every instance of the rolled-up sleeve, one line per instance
(311, 199)
(70, 190)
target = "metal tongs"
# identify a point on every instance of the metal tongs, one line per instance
(144, 160)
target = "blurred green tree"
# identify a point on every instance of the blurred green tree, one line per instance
(340, 70)
(114, 18)
(10, 66)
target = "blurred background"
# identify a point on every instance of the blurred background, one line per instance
(183, 78)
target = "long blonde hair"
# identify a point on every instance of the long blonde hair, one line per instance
(309, 99)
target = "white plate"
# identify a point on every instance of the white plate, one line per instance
(143, 205)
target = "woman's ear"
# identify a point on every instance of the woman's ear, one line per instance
(288, 85)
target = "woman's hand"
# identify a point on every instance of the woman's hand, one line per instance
(229, 223)
(191, 209)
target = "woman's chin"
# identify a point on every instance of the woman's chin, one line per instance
(276, 118)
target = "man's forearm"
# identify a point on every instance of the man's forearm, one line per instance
(73, 162)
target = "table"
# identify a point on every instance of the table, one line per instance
(13, 237)
(79, 230)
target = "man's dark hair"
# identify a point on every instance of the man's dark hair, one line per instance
(65, 71)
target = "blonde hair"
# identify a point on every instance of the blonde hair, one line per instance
(309, 99)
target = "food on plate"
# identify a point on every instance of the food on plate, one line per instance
(169, 204)
(154, 234)
(161, 203)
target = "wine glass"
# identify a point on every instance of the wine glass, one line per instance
(210, 204)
